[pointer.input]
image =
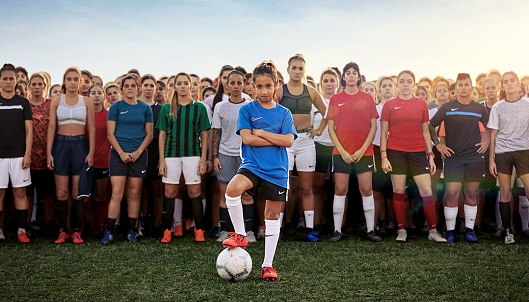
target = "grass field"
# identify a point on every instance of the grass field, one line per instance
(349, 270)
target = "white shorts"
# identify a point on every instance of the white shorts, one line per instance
(177, 165)
(303, 153)
(11, 168)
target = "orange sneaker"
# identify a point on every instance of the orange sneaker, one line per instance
(189, 224)
(268, 273)
(63, 237)
(178, 231)
(199, 235)
(235, 240)
(76, 238)
(23, 238)
(166, 236)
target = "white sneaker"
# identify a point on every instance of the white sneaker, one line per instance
(435, 236)
(2, 237)
(251, 236)
(223, 235)
(402, 235)
(509, 238)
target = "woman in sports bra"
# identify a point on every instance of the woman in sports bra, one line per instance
(299, 98)
(68, 149)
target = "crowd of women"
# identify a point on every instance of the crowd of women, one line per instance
(183, 153)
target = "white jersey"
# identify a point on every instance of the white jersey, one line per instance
(511, 119)
(324, 138)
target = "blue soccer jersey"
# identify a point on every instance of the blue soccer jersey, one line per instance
(268, 162)
(130, 123)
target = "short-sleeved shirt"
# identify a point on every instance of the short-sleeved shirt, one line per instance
(352, 115)
(130, 123)
(183, 131)
(41, 117)
(225, 117)
(405, 119)
(511, 119)
(102, 149)
(270, 163)
(461, 124)
(317, 117)
(155, 114)
(14, 113)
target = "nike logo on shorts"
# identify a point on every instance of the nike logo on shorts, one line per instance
(123, 112)
(25, 180)
(143, 171)
(311, 166)
(370, 166)
(105, 172)
(256, 118)
(281, 192)
(427, 168)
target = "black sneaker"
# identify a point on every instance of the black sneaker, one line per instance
(336, 236)
(373, 237)
(215, 232)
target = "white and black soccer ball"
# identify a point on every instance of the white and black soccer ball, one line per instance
(234, 264)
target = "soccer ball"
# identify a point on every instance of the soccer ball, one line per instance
(234, 264)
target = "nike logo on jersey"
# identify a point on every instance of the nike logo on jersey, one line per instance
(281, 192)
(25, 180)
(340, 105)
(397, 108)
(454, 109)
(123, 112)
(256, 118)
(226, 112)
(143, 171)
(370, 166)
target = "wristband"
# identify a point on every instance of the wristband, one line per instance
(431, 154)
(215, 156)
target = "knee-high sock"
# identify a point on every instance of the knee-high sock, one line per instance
(338, 207)
(248, 213)
(236, 214)
(204, 204)
(450, 217)
(428, 204)
(470, 216)
(499, 223)
(77, 214)
(198, 212)
(168, 212)
(505, 213)
(22, 220)
(400, 210)
(272, 236)
(369, 212)
(523, 208)
(225, 221)
(177, 215)
(61, 211)
(309, 219)
(132, 223)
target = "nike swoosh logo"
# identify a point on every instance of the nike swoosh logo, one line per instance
(483, 175)
(427, 168)
(340, 105)
(256, 118)
(123, 112)
(370, 166)
(311, 166)
(454, 109)
(396, 108)
(143, 171)
(105, 172)
(269, 235)
(25, 180)
(280, 193)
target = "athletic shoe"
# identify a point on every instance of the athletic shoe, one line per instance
(189, 224)
(470, 236)
(23, 238)
(76, 238)
(2, 237)
(166, 236)
(498, 232)
(251, 237)
(373, 237)
(301, 223)
(391, 226)
(312, 236)
(215, 232)
(199, 235)
(107, 238)
(268, 273)
(63, 237)
(178, 231)
(336, 236)
(131, 236)
(462, 227)
(235, 240)
(223, 236)
(509, 237)
(402, 235)
(435, 236)
(262, 232)
(450, 237)
(525, 232)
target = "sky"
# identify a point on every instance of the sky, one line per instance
(163, 37)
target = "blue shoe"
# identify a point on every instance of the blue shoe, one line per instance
(131, 236)
(215, 232)
(450, 237)
(470, 236)
(312, 236)
(107, 237)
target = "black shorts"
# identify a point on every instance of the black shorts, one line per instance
(101, 173)
(269, 190)
(365, 164)
(381, 180)
(517, 159)
(464, 169)
(153, 159)
(323, 157)
(490, 180)
(43, 181)
(69, 154)
(438, 159)
(116, 167)
(410, 163)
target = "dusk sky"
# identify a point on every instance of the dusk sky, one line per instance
(165, 37)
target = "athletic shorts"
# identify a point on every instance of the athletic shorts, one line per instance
(518, 159)
(490, 180)
(302, 153)
(381, 180)
(11, 169)
(153, 159)
(101, 173)
(43, 181)
(323, 157)
(438, 159)
(230, 165)
(178, 165)
(69, 154)
(269, 190)
(464, 169)
(365, 164)
(410, 163)
(116, 167)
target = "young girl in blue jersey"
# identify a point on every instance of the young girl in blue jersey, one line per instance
(266, 129)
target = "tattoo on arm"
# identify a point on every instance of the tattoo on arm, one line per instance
(217, 133)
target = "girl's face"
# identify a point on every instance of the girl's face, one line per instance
(72, 81)
(296, 70)
(426, 85)
(37, 86)
(351, 77)
(130, 89)
(182, 85)
(148, 88)
(510, 84)
(442, 93)
(491, 89)
(204, 85)
(475, 94)
(97, 95)
(159, 96)
(224, 78)
(264, 88)
(55, 91)
(236, 84)
(405, 84)
(422, 94)
(329, 84)
(170, 83)
(370, 88)
(97, 81)
(113, 95)
(248, 87)
(195, 87)
(85, 84)
(208, 94)
(387, 89)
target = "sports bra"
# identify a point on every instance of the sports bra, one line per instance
(297, 104)
(71, 114)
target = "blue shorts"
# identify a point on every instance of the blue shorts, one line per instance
(69, 154)
(116, 167)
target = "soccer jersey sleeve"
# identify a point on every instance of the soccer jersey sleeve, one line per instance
(425, 115)
(162, 124)
(329, 114)
(244, 118)
(216, 122)
(373, 108)
(148, 114)
(438, 117)
(288, 124)
(28, 115)
(203, 119)
(385, 112)
(494, 120)
(484, 115)
(113, 112)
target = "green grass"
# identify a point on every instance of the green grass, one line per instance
(349, 270)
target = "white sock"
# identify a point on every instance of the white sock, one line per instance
(523, 208)
(204, 206)
(450, 217)
(177, 215)
(470, 216)
(236, 214)
(369, 212)
(309, 219)
(338, 207)
(271, 238)
(499, 223)
(20, 231)
(281, 215)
